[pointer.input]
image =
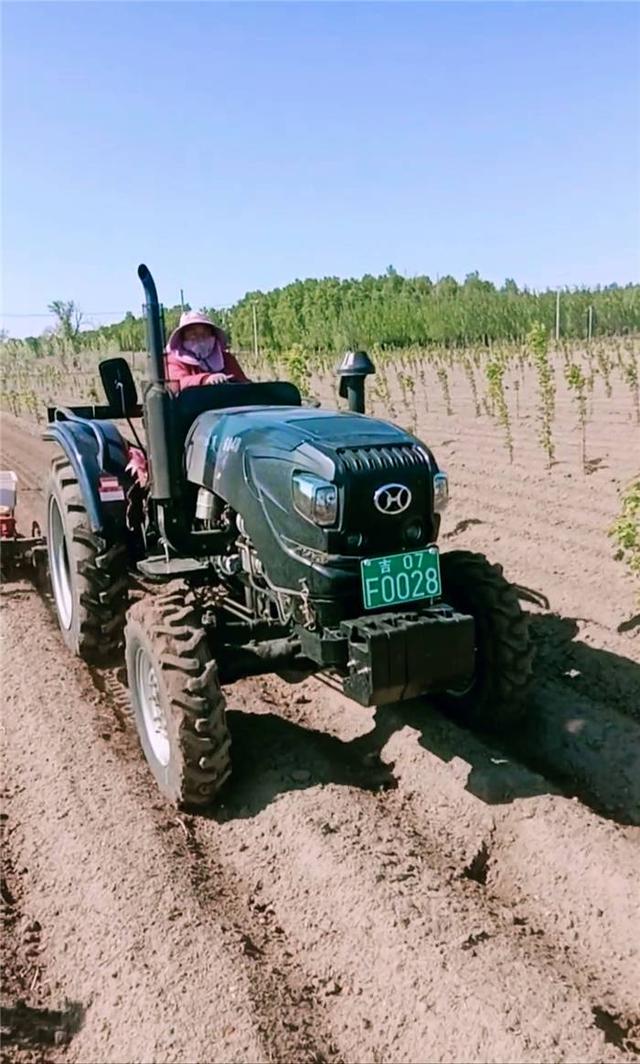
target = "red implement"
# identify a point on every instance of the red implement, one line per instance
(18, 555)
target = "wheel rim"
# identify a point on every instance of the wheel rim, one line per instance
(60, 568)
(153, 716)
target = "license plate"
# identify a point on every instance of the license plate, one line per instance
(400, 578)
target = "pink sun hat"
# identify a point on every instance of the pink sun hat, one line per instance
(194, 317)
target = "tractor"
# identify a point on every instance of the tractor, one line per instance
(271, 536)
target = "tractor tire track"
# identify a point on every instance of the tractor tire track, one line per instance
(180, 966)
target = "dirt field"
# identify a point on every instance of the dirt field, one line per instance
(376, 886)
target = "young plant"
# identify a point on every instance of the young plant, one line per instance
(591, 377)
(538, 340)
(384, 395)
(577, 383)
(516, 388)
(630, 374)
(400, 376)
(626, 528)
(422, 377)
(32, 405)
(494, 369)
(604, 363)
(476, 355)
(408, 386)
(443, 380)
(467, 365)
(297, 366)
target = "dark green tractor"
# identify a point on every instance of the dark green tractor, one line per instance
(272, 536)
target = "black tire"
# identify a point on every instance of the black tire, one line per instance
(177, 701)
(496, 696)
(88, 574)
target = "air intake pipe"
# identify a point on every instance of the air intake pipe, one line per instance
(352, 371)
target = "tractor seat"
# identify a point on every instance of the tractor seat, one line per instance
(187, 405)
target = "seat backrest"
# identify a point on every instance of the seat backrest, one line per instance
(119, 387)
(190, 403)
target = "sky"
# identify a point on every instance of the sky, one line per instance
(238, 146)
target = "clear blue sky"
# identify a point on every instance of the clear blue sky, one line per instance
(236, 146)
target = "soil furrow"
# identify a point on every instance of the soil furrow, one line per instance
(158, 976)
(375, 884)
(427, 938)
(470, 799)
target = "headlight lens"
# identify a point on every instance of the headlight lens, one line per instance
(315, 498)
(440, 492)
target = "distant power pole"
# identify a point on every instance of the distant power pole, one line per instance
(254, 304)
(590, 322)
(557, 315)
(181, 300)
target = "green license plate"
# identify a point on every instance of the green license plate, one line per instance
(400, 578)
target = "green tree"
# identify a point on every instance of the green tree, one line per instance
(68, 317)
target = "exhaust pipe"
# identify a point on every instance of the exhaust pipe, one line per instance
(353, 370)
(165, 462)
(163, 480)
(153, 321)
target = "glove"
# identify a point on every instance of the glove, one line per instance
(218, 378)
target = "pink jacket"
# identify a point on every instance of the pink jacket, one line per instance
(186, 371)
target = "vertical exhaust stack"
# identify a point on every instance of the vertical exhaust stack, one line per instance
(354, 368)
(164, 484)
(154, 326)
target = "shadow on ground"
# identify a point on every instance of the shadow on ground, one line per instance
(598, 674)
(26, 1026)
(572, 742)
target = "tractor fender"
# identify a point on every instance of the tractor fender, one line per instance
(95, 450)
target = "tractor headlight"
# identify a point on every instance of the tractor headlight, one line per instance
(440, 492)
(315, 498)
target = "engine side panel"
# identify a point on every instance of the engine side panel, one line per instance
(248, 456)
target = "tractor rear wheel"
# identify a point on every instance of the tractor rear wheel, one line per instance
(178, 704)
(495, 697)
(88, 574)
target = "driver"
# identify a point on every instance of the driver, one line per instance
(197, 352)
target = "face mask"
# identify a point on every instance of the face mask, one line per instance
(200, 348)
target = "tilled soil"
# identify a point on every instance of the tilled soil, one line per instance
(375, 885)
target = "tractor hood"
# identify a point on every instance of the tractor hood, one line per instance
(250, 455)
(320, 435)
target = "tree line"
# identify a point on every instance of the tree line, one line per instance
(389, 311)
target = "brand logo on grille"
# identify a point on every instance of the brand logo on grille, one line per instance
(392, 499)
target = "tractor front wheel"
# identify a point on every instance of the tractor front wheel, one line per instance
(495, 696)
(178, 705)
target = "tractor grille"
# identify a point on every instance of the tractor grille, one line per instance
(364, 469)
(394, 456)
